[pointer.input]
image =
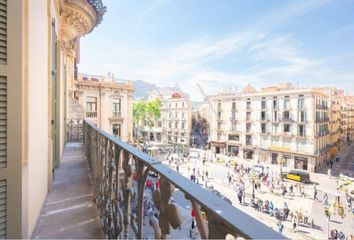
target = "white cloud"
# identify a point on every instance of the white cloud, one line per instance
(267, 58)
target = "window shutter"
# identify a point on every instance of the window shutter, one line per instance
(3, 203)
(3, 122)
(3, 31)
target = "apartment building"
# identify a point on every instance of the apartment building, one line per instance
(348, 118)
(107, 103)
(175, 123)
(280, 121)
(200, 125)
(176, 119)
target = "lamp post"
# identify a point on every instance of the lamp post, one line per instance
(281, 161)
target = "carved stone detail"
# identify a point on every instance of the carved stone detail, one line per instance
(78, 19)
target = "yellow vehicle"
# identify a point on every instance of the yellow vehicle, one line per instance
(299, 176)
(233, 162)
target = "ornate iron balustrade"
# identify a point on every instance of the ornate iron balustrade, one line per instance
(74, 130)
(112, 163)
(99, 8)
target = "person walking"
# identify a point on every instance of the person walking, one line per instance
(291, 190)
(303, 191)
(239, 195)
(325, 199)
(315, 192)
(280, 227)
(294, 223)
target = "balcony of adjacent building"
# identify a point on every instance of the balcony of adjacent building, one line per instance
(91, 114)
(116, 117)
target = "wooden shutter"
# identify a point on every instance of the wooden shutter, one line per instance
(3, 209)
(3, 31)
(3, 122)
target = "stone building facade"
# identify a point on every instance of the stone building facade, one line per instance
(107, 103)
(276, 122)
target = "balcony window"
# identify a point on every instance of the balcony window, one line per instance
(302, 116)
(218, 137)
(301, 103)
(286, 103)
(301, 130)
(219, 115)
(248, 140)
(264, 127)
(233, 106)
(91, 107)
(263, 115)
(234, 137)
(176, 125)
(248, 127)
(248, 116)
(219, 125)
(233, 126)
(182, 125)
(264, 105)
(116, 107)
(275, 104)
(233, 116)
(248, 105)
(116, 129)
(169, 124)
(286, 115)
(275, 116)
(286, 128)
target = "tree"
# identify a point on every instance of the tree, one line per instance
(146, 113)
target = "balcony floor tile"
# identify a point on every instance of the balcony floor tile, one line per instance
(69, 210)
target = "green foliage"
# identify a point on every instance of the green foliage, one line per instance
(146, 112)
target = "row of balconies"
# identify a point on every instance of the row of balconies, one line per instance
(321, 120)
(320, 106)
(94, 114)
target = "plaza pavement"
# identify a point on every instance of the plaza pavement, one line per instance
(314, 208)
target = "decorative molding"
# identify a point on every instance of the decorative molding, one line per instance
(78, 19)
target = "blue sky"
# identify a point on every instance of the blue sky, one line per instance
(224, 42)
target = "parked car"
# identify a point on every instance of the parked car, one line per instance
(298, 175)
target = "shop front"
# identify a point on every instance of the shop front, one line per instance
(285, 158)
(248, 154)
(233, 150)
(301, 163)
(218, 147)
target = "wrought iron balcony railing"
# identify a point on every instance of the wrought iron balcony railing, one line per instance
(99, 8)
(113, 163)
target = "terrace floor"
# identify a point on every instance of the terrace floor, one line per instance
(69, 210)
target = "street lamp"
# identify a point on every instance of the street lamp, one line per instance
(281, 161)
